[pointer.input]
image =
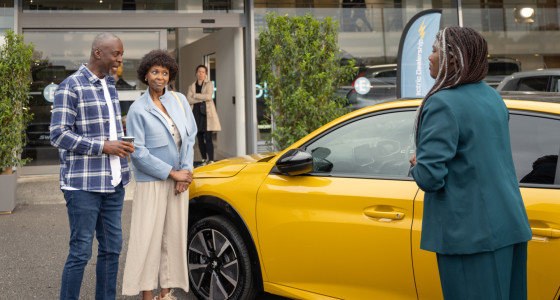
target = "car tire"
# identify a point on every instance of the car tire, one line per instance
(218, 261)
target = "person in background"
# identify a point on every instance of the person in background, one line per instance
(199, 95)
(86, 128)
(164, 133)
(474, 217)
(121, 84)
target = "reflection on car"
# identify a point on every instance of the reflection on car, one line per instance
(532, 81)
(338, 216)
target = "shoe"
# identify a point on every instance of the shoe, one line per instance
(210, 162)
(204, 162)
(168, 296)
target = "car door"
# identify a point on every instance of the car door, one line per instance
(343, 230)
(535, 143)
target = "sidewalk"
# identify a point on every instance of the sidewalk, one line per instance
(33, 249)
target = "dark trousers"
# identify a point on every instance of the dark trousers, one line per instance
(495, 275)
(205, 145)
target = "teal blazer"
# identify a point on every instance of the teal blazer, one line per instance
(464, 164)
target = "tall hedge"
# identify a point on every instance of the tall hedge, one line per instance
(298, 58)
(15, 80)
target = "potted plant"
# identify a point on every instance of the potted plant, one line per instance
(15, 67)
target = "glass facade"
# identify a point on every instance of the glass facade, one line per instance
(6, 15)
(521, 35)
(104, 6)
(53, 63)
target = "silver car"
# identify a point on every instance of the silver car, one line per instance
(532, 81)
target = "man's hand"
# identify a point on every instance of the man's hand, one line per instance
(181, 176)
(413, 160)
(118, 148)
(181, 186)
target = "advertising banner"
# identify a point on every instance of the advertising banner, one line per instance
(413, 73)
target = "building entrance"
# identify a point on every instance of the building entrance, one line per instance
(59, 53)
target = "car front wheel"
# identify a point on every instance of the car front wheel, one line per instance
(218, 260)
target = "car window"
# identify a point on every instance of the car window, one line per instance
(539, 83)
(535, 143)
(555, 84)
(378, 145)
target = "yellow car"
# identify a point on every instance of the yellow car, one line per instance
(338, 216)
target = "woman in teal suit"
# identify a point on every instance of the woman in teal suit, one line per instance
(474, 217)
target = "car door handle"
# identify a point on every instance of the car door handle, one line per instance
(547, 232)
(393, 215)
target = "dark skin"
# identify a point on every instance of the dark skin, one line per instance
(158, 78)
(107, 54)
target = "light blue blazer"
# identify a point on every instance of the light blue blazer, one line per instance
(155, 150)
(464, 164)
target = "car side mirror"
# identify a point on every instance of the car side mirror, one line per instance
(295, 162)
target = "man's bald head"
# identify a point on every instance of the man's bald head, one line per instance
(106, 54)
(101, 40)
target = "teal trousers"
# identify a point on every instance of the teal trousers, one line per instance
(495, 275)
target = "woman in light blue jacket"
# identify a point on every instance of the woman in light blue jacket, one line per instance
(164, 132)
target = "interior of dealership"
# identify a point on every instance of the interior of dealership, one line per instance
(223, 35)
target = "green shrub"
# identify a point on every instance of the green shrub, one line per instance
(15, 68)
(298, 58)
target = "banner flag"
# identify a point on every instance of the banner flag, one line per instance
(413, 68)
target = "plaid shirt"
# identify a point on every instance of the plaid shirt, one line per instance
(79, 126)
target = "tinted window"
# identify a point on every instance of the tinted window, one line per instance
(378, 145)
(502, 68)
(555, 84)
(535, 142)
(511, 85)
(533, 84)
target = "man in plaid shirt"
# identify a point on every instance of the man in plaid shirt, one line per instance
(86, 127)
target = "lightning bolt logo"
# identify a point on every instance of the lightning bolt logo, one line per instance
(421, 29)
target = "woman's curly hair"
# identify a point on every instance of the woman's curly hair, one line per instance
(157, 58)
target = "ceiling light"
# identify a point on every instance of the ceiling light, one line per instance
(523, 15)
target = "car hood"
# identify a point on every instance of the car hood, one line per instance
(231, 166)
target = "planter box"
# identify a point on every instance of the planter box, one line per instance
(8, 187)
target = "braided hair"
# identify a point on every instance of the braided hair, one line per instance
(463, 58)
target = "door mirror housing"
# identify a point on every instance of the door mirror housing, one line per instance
(295, 162)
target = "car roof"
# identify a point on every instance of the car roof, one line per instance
(534, 103)
(387, 66)
(534, 73)
(531, 96)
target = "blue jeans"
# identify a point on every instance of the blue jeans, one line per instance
(90, 212)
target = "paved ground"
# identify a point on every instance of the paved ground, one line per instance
(33, 249)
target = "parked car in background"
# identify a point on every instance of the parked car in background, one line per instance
(383, 81)
(499, 68)
(338, 216)
(547, 80)
(383, 84)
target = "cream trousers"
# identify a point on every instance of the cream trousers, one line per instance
(158, 238)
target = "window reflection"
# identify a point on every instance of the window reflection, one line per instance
(58, 54)
(183, 6)
(533, 142)
(544, 170)
(378, 145)
(6, 15)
